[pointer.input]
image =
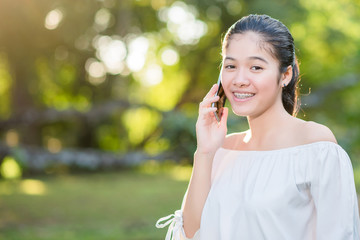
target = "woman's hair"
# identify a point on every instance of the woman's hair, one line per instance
(281, 43)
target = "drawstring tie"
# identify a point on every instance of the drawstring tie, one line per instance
(175, 221)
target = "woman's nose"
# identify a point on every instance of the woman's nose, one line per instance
(241, 79)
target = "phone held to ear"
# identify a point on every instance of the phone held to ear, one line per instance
(221, 103)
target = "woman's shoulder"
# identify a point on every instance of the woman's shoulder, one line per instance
(315, 132)
(297, 133)
(233, 140)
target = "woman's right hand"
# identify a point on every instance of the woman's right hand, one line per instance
(210, 134)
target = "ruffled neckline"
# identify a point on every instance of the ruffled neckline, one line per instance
(286, 149)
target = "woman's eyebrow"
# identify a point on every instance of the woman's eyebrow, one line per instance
(250, 58)
(258, 58)
(229, 58)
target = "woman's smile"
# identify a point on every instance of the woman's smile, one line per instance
(243, 96)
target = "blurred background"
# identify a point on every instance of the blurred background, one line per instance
(99, 98)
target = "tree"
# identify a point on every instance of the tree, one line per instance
(125, 76)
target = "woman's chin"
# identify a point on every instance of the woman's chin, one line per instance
(241, 113)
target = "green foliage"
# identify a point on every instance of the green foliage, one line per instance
(140, 123)
(132, 73)
(180, 130)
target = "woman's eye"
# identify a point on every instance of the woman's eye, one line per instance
(256, 68)
(229, 66)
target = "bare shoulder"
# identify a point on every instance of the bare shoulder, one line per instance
(315, 132)
(233, 140)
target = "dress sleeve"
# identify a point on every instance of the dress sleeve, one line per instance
(334, 195)
(176, 229)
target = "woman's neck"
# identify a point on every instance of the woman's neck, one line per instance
(266, 127)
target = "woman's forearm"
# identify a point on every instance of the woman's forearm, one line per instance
(197, 192)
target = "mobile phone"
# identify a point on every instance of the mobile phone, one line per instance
(221, 103)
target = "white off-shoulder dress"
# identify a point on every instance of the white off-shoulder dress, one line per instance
(305, 192)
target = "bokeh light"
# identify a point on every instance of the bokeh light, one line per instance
(12, 138)
(10, 169)
(112, 52)
(54, 145)
(182, 22)
(169, 56)
(96, 70)
(153, 75)
(103, 18)
(53, 19)
(32, 187)
(138, 48)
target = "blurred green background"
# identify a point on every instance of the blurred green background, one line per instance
(98, 103)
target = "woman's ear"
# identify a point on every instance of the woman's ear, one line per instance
(286, 76)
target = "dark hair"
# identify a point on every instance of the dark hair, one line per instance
(278, 36)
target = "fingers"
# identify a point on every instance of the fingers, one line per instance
(208, 110)
(210, 96)
(207, 101)
(212, 91)
(224, 116)
(205, 107)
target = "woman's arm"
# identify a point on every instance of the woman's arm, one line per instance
(334, 195)
(210, 136)
(197, 192)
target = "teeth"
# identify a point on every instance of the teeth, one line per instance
(243, 95)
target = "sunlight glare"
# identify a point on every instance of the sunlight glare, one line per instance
(96, 70)
(112, 53)
(169, 57)
(102, 18)
(182, 22)
(53, 19)
(33, 187)
(191, 32)
(10, 169)
(153, 75)
(138, 48)
(178, 15)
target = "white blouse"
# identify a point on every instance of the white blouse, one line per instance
(304, 192)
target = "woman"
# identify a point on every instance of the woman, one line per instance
(284, 178)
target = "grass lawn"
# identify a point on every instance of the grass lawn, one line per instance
(118, 205)
(122, 205)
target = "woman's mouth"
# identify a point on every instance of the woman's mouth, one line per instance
(243, 96)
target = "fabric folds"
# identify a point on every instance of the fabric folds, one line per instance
(305, 192)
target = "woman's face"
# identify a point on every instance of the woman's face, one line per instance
(250, 75)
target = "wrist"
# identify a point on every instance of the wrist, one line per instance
(206, 154)
(202, 162)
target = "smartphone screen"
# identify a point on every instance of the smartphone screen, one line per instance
(221, 103)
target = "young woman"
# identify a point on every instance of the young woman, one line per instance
(284, 178)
